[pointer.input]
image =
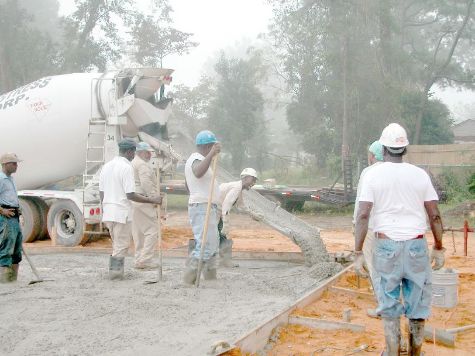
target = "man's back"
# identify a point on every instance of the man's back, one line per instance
(398, 192)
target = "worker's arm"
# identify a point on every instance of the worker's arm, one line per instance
(138, 198)
(435, 221)
(361, 227)
(230, 199)
(199, 168)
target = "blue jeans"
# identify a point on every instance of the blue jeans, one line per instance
(402, 266)
(11, 239)
(197, 214)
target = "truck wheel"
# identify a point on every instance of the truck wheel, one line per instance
(30, 220)
(43, 213)
(66, 218)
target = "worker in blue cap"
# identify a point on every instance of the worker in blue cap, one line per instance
(117, 190)
(375, 157)
(198, 177)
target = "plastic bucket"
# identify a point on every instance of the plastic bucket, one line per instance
(445, 288)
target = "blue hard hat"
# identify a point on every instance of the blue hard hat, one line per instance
(376, 149)
(205, 137)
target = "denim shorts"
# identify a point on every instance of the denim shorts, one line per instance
(402, 266)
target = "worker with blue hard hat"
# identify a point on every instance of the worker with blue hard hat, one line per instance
(198, 177)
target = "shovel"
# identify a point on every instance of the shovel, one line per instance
(35, 271)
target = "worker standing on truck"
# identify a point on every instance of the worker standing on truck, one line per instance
(117, 189)
(398, 195)
(11, 237)
(375, 157)
(230, 194)
(145, 220)
(198, 177)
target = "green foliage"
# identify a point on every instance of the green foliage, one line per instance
(235, 113)
(471, 184)
(455, 186)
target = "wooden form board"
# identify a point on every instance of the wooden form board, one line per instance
(258, 338)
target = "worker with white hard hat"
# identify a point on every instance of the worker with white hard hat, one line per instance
(230, 194)
(397, 196)
(145, 220)
(198, 179)
(117, 190)
(11, 237)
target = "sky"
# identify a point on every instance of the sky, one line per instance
(219, 24)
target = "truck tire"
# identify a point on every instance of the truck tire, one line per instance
(30, 220)
(43, 213)
(66, 218)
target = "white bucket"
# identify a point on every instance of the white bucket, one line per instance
(445, 288)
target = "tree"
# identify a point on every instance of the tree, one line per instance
(236, 111)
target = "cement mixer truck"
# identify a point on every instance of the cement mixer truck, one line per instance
(65, 128)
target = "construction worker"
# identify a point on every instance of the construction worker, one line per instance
(375, 157)
(145, 220)
(397, 196)
(198, 177)
(117, 189)
(11, 237)
(230, 194)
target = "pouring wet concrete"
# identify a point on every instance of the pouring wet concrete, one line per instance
(82, 312)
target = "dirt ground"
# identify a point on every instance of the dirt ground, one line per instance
(101, 317)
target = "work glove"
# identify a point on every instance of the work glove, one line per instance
(438, 258)
(360, 265)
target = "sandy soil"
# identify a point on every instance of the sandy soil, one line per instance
(80, 312)
(298, 340)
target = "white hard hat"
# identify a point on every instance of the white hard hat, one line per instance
(394, 136)
(249, 172)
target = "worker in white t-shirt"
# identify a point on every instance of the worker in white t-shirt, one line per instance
(375, 157)
(230, 194)
(397, 196)
(198, 177)
(117, 189)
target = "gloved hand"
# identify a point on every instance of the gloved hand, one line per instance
(360, 265)
(257, 216)
(438, 258)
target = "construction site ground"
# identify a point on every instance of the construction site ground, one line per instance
(81, 312)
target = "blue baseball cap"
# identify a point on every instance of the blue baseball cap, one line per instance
(144, 146)
(376, 148)
(205, 137)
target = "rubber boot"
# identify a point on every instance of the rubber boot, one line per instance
(392, 334)
(416, 336)
(209, 269)
(116, 267)
(191, 247)
(225, 254)
(372, 313)
(6, 274)
(189, 277)
(15, 268)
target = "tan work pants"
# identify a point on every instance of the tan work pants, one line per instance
(145, 225)
(121, 237)
(368, 248)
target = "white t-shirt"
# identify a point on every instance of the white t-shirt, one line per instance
(116, 180)
(229, 194)
(199, 187)
(398, 192)
(358, 193)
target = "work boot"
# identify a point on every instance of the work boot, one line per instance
(149, 266)
(209, 269)
(372, 313)
(392, 335)
(116, 267)
(191, 247)
(225, 254)
(189, 277)
(15, 268)
(6, 274)
(416, 336)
